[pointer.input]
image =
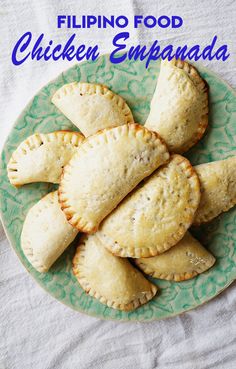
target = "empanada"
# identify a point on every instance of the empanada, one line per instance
(92, 107)
(41, 157)
(106, 167)
(46, 233)
(108, 278)
(156, 215)
(179, 107)
(183, 261)
(218, 188)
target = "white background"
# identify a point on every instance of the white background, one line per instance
(38, 332)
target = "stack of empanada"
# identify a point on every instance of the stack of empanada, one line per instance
(122, 187)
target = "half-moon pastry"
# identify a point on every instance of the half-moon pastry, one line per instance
(218, 188)
(106, 167)
(92, 107)
(156, 215)
(42, 157)
(179, 107)
(46, 233)
(185, 260)
(108, 278)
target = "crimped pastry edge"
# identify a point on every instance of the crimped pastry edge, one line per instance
(94, 89)
(118, 250)
(28, 251)
(177, 277)
(203, 87)
(76, 263)
(68, 210)
(35, 141)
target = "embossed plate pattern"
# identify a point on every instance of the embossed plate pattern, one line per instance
(136, 84)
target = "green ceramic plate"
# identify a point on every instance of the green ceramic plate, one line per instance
(136, 84)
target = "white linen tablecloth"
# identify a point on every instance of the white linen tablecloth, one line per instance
(38, 332)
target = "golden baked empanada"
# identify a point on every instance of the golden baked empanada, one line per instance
(218, 188)
(179, 107)
(183, 261)
(106, 167)
(46, 233)
(156, 215)
(108, 278)
(42, 156)
(92, 107)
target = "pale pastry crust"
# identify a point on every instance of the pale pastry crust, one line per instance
(179, 107)
(218, 188)
(46, 233)
(106, 167)
(156, 215)
(41, 157)
(108, 278)
(185, 260)
(92, 107)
